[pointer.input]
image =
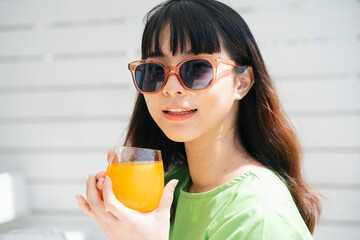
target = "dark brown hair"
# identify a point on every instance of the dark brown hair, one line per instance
(262, 125)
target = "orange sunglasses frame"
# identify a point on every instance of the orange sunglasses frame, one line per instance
(214, 60)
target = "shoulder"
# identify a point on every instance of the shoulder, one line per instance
(260, 222)
(263, 186)
(259, 186)
(261, 208)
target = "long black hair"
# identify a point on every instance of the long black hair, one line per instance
(262, 126)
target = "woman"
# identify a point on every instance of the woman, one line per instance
(207, 102)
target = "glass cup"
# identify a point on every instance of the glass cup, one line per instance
(137, 176)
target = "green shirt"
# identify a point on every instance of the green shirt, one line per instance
(256, 205)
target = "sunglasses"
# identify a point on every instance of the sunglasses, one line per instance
(194, 73)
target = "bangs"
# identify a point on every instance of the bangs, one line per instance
(189, 23)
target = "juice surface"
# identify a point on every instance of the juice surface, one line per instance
(138, 185)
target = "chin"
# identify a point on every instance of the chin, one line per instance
(179, 136)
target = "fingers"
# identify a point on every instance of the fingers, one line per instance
(100, 177)
(167, 196)
(112, 157)
(101, 174)
(84, 206)
(91, 191)
(95, 202)
(99, 186)
(115, 206)
(100, 183)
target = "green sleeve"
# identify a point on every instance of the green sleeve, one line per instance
(262, 223)
(279, 225)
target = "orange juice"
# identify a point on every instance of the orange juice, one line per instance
(138, 185)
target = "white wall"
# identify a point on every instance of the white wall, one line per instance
(66, 94)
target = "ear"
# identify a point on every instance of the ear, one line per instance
(244, 82)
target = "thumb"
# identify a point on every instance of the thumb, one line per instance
(167, 195)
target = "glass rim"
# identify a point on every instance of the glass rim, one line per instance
(150, 149)
(156, 154)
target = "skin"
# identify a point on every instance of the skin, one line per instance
(209, 142)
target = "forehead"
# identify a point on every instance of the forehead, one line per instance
(166, 43)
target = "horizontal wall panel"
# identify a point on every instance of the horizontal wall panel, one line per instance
(283, 61)
(329, 132)
(114, 39)
(304, 19)
(265, 6)
(339, 206)
(72, 104)
(56, 197)
(312, 59)
(311, 94)
(68, 135)
(17, 12)
(73, 225)
(296, 96)
(318, 19)
(77, 72)
(115, 71)
(42, 167)
(91, 39)
(332, 169)
(334, 232)
(97, 43)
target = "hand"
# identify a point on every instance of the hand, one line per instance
(120, 222)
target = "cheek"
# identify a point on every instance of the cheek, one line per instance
(215, 108)
(219, 99)
(152, 105)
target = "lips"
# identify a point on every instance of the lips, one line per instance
(176, 112)
(180, 111)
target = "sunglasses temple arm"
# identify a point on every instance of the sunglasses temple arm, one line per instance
(224, 74)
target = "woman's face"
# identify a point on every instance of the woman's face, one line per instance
(203, 114)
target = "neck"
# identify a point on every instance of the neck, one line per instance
(215, 159)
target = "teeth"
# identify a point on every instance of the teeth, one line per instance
(179, 111)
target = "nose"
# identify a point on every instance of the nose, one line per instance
(173, 85)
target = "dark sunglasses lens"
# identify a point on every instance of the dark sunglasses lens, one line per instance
(196, 73)
(149, 77)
